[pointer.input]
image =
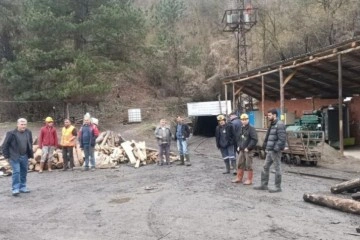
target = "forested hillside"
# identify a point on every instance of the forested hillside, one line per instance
(137, 53)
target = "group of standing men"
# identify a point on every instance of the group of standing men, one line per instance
(18, 147)
(163, 135)
(240, 137)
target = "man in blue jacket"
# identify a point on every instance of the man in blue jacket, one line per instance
(17, 148)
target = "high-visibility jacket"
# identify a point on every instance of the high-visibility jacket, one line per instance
(67, 134)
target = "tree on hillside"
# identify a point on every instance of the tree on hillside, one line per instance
(168, 15)
(71, 47)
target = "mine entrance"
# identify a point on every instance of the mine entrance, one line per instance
(205, 126)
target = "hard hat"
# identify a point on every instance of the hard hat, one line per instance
(49, 119)
(95, 121)
(244, 116)
(220, 117)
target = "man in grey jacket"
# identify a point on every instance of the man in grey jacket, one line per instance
(274, 143)
(163, 136)
(17, 148)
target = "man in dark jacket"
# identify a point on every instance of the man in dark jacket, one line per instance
(87, 136)
(274, 143)
(246, 143)
(236, 123)
(225, 138)
(17, 148)
(182, 133)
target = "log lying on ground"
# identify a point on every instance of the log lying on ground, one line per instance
(356, 196)
(344, 186)
(342, 204)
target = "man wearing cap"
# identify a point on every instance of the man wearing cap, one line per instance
(68, 141)
(87, 136)
(48, 142)
(274, 143)
(17, 148)
(225, 138)
(246, 142)
(236, 123)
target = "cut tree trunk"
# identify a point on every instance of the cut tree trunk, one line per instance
(342, 204)
(344, 186)
(356, 196)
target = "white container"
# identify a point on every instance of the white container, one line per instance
(134, 115)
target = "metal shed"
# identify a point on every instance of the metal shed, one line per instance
(332, 72)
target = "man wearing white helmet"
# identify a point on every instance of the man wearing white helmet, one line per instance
(48, 142)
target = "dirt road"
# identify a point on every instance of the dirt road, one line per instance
(175, 202)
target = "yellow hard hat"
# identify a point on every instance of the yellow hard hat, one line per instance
(220, 117)
(49, 119)
(244, 116)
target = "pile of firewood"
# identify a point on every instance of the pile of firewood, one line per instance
(111, 149)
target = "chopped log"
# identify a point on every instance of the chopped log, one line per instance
(32, 161)
(128, 150)
(356, 196)
(105, 138)
(37, 155)
(35, 141)
(37, 167)
(342, 204)
(344, 186)
(100, 138)
(35, 147)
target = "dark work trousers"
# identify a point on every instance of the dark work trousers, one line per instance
(68, 156)
(164, 149)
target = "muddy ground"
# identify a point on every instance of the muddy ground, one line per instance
(175, 202)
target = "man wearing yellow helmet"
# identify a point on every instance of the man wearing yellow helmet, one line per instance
(225, 138)
(48, 142)
(246, 142)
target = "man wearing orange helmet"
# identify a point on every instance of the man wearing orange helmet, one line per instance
(225, 139)
(48, 142)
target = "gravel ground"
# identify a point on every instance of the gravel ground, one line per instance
(172, 202)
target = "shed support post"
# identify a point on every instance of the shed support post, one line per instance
(263, 100)
(281, 92)
(234, 97)
(226, 99)
(340, 101)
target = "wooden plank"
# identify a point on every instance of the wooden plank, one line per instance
(128, 150)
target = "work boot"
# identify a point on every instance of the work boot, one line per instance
(49, 166)
(277, 184)
(181, 160)
(227, 166)
(249, 178)
(187, 162)
(264, 181)
(41, 167)
(239, 176)
(233, 165)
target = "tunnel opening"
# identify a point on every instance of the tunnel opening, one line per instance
(205, 126)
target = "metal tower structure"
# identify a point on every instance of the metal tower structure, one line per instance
(240, 19)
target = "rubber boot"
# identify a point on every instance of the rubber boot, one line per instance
(239, 176)
(187, 162)
(227, 166)
(181, 160)
(264, 181)
(41, 167)
(277, 184)
(233, 165)
(49, 166)
(249, 178)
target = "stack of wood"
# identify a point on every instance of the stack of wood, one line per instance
(112, 149)
(339, 203)
(5, 168)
